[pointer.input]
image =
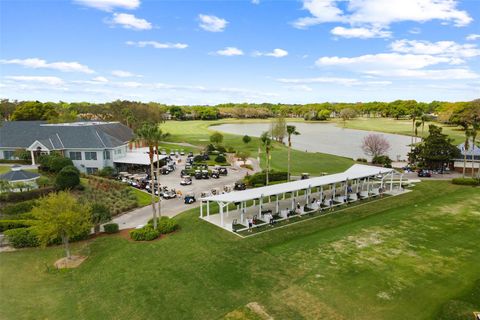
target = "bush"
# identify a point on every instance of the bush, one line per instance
(221, 149)
(106, 172)
(67, 178)
(198, 158)
(220, 159)
(210, 147)
(230, 149)
(362, 160)
(146, 233)
(466, 181)
(260, 178)
(110, 228)
(57, 163)
(382, 160)
(22, 238)
(25, 195)
(18, 208)
(43, 181)
(14, 224)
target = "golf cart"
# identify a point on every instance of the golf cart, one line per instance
(170, 194)
(215, 174)
(205, 174)
(182, 153)
(163, 152)
(189, 198)
(223, 171)
(305, 176)
(198, 174)
(239, 185)
(186, 181)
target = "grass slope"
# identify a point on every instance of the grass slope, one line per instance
(198, 133)
(401, 258)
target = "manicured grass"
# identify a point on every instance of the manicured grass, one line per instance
(143, 198)
(4, 169)
(404, 127)
(400, 258)
(198, 133)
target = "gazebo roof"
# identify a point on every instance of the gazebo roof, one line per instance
(18, 175)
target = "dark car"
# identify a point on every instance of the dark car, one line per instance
(205, 174)
(223, 171)
(215, 174)
(189, 198)
(240, 185)
(198, 174)
(424, 174)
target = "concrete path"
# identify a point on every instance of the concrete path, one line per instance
(172, 207)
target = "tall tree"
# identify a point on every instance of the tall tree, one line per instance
(375, 145)
(466, 146)
(474, 133)
(267, 144)
(278, 128)
(148, 135)
(60, 215)
(291, 130)
(159, 137)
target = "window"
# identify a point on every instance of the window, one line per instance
(92, 170)
(74, 155)
(106, 154)
(9, 155)
(90, 155)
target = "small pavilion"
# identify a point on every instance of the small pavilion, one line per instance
(17, 176)
(300, 197)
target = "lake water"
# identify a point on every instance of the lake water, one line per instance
(325, 138)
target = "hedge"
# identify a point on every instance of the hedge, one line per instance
(260, 178)
(165, 225)
(25, 195)
(18, 208)
(220, 159)
(21, 238)
(14, 161)
(110, 228)
(466, 181)
(146, 233)
(14, 224)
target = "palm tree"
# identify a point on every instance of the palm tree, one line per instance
(473, 133)
(291, 130)
(466, 146)
(147, 133)
(424, 119)
(417, 124)
(267, 144)
(159, 136)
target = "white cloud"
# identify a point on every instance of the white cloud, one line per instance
(363, 33)
(384, 60)
(276, 53)
(129, 21)
(109, 5)
(212, 23)
(37, 63)
(52, 81)
(229, 51)
(473, 37)
(381, 13)
(332, 80)
(100, 79)
(441, 48)
(157, 45)
(255, 1)
(427, 74)
(123, 74)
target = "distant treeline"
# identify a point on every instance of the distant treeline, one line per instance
(134, 113)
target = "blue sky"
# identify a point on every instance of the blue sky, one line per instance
(208, 52)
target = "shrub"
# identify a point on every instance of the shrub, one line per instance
(111, 228)
(106, 172)
(18, 208)
(146, 233)
(167, 226)
(210, 147)
(21, 238)
(466, 181)
(57, 163)
(198, 158)
(260, 178)
(362, 160)
(220, 159)
(67, 178)
(43, 181)
(100, 214)
(25, 195)
(14, 224)
(382, 160)
(230, 149)
(221, 149)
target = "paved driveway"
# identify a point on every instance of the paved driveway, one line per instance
(175, 206)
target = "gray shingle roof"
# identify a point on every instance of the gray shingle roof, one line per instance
(21, 134)
(19, 175)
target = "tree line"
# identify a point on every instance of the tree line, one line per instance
(135, 113)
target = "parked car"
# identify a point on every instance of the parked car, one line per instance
(205, 174)
(198, 174)
(240, 185)
(189, 198)
(424, 174)
(215, 174)
(170, 194)
(186, 181)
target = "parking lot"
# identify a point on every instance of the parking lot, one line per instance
(172, 207)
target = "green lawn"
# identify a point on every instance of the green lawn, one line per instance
(198, 133)
(404, 127)
(4, 169)
(404, 257)
(143, 198)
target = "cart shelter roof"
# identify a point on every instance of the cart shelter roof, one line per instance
(137, 158)
(357, 171)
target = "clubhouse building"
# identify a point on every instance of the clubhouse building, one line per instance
(91, 145)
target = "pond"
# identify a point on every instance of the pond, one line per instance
(326, 138)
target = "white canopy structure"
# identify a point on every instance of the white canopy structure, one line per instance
(359, 181)
(137, 158)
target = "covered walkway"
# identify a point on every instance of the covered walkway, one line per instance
(299, 197)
